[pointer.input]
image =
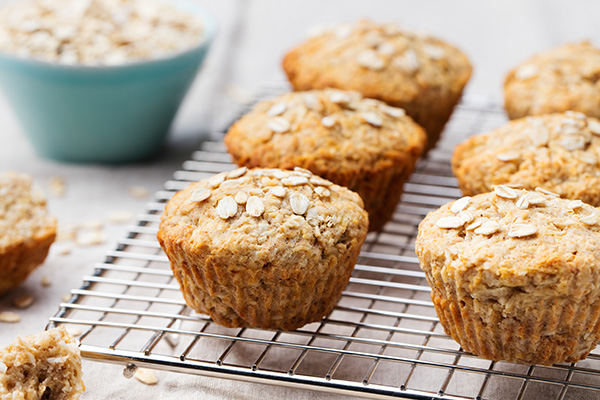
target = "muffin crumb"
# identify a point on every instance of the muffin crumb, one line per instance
(46, 365)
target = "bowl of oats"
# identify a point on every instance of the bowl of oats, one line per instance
(100, 80)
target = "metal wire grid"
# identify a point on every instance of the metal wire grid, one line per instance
(382, 339)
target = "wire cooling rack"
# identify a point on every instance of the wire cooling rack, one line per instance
(383, 338)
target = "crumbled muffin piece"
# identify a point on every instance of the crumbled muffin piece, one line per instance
(43, 366)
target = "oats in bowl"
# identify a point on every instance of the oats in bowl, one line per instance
(100, 81)
(96, 32)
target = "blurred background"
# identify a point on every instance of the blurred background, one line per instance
(253, 36)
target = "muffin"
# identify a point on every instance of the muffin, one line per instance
(27, 229)
(419, 73)
(43, 366)
(562, 79)
(515, 274)
(263, 248)
(362, 144)
(559, 152)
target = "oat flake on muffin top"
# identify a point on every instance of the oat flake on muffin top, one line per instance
(331, 127)
(417, 72)
(264, 248)
(560, 152)
(360, 143)
(558, 80)
(514, 274)
(264, 203)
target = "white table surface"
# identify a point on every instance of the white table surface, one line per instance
(253, 36)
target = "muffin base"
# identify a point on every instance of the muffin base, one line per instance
(566, 331)
(431, 113)
(19, 260)
(235, 294)
(31, 374)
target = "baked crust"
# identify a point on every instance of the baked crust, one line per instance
(515, 279)
(27, 230)
(362, 144)
(419, 73)
(559, 152)
(277, 258)
(562, 79)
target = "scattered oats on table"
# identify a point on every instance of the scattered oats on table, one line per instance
(139, 192)
(146, 376)
(9, 316)
(90, 238)
(92, 224)
(58, 186)
(119, 217)
(62, 249)
(74, 331)
(23, 301)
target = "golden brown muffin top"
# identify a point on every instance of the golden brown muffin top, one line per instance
(512, 238)
(380, 61)
(562, 79)
(265, 210)
(23, 213)
(560, 152)
(331, 126)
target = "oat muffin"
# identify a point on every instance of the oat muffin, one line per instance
(263, 248)
(515, 274)
(43, 366)
(419, 73)
(562, 79)
(362, 144)
(27, 230)
(559, 152)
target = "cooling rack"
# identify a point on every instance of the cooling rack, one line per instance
(382, 339)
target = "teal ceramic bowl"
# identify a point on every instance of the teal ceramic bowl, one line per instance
(106, 114)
